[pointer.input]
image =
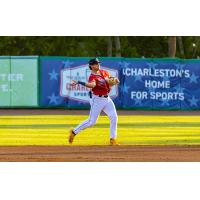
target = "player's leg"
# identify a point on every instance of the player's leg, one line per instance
(96, 107)
(110, 110)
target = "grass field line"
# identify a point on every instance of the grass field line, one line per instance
(136, 118)
(132, 130)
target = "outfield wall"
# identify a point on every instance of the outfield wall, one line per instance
(146, 84)
(19, 81)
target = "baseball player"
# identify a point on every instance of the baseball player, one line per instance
(100, 83)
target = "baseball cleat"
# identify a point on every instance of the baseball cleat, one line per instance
(71, 136)
(113, 142)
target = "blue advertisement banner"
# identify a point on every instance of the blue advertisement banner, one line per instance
(164, 84)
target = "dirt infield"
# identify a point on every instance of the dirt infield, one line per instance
(100, 153)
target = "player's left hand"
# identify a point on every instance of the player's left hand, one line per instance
(73, 83)
(112, 81)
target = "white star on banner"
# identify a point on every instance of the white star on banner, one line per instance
(193, 78)
(193, 101)
(126, 64)
(165, 103)
(138, 101)
(178, 88)
(53, 75)
(152, 65)
(179, 66)
(67, 63)
(53, 99)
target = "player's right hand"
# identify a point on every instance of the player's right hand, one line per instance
(73, 83)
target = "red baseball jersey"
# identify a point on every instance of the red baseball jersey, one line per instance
(102, 87)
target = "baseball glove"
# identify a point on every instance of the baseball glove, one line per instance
(112, 81)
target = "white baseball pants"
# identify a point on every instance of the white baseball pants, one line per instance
(99, 104)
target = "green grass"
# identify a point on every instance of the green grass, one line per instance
(132, 130)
